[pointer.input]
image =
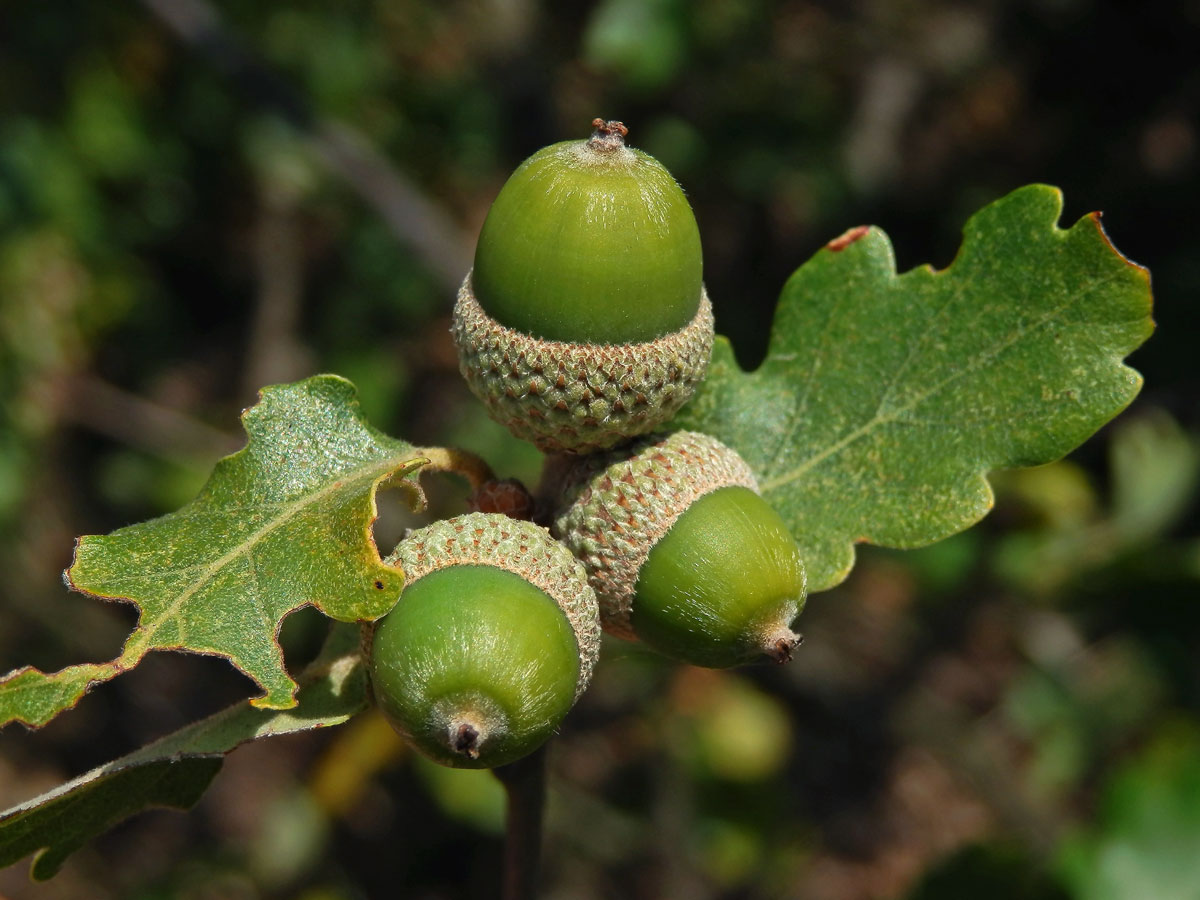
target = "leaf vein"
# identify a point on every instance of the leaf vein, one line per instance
(147, 632)
(970, 367)
(786, 440)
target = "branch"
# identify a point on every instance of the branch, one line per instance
(415, 220)
(137, 422)
(460, 462)
(275, 352)
(525, 783)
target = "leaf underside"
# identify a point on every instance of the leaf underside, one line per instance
(175, 770)
(282, 524)
(885, 399)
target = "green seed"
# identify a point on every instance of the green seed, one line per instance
(492, 640)
(730, 564)
(475, 666)
(681, 550)
(590, 241)
(585, 321)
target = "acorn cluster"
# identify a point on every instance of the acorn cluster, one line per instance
(584, 327)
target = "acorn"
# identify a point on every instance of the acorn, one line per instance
(493, 639)
(682, 551)
(584, 321)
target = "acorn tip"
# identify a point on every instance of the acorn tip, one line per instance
(780, 644)
(465, 739)
(607, 136)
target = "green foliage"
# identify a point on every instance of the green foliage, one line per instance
(282, 524)
(175, 770)
(732, 731)
(884, 402)
(57, 824)
(472, 796)
(638, 42)
(1154, 468)
(1145, 838)
(988, 872)
(886, 399)
(1076, 710)
(133, 197)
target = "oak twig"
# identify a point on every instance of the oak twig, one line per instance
(457, 462)
(525, 784)
(412, 217)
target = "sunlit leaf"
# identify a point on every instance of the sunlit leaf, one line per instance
(886, 399)
(282, 524)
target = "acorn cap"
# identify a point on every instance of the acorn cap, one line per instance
(523, 548)
(683, 553)
(616, 506)
(578, 397)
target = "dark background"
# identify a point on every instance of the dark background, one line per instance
(191, 211)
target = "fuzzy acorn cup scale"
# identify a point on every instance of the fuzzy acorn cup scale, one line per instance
(682, 551)
(584, 326)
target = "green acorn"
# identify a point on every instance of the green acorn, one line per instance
(493, 639)
(682, 551)
(584, 321)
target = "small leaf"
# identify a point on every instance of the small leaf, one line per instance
(886, 399)
(57, 824)
(282, 524)
(175, 770)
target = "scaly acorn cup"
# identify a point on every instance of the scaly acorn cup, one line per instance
(682, 551)
(584, 321)
(493, 639)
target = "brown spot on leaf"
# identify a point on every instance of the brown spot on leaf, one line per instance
(1095, 219)
(847, 238)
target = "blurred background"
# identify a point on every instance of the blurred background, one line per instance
(198, 198)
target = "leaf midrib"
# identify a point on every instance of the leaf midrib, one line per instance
(140, 641)
(973, 365)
